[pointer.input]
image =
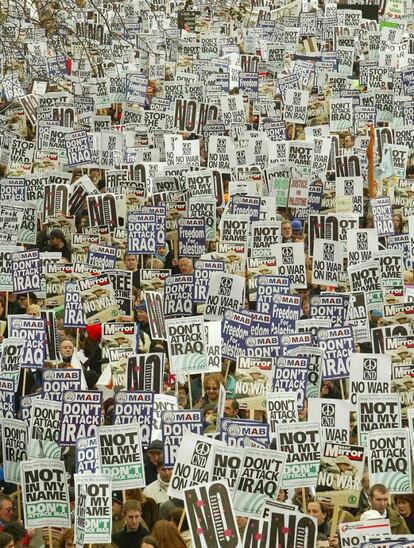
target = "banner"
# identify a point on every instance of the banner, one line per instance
(120, 455)
(14, 442)
(302, 445)
(389, 459)
(45, 494)
(81, 415)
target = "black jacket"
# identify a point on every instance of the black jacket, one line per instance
(125, 539)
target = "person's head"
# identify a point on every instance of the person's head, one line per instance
(142, 314)
(164, 473)
(154, 452)
(66, 349)
(231, 408)
(6, 540)
(17, 531)
(286, 229)
(117, 503)
(167, 535)
(6, 508)
(182, 394)
(131, 512)
(315, 509)
(131, 262)
(176, 516)
(348, 141)
(185, 265)
(404, 504)
(67, 539)
(34, 310)
(212, 383)
(378, 497)
(149, 542)
(57, 239)
(397, 222)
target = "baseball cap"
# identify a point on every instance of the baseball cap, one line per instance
(296, 224)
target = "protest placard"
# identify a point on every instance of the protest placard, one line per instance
(193, 463)
(259, 478)
(186, 345)
(98, 299)
(178, 293)
(290, 258)
(137, 406)
(78, 148)
(302, 445)
(86, 453)
(11, 359)
(120, 455)
(225, 291)
(382, 211)
(26, 271)
(210, 515)
(226, 464)
(173, 424)
(389, 459)
(14, 438)
(33, 332)
(291, 374)
(191, 236)
(281, 408)
(81, 415)
(56, 381)
(340, 474)
(377, 412)
(327, 262)
(98, 518)
(234, 431)
(354, 533)
(332, 416)
(337, 343)
(44, 429)
(45, 493)
(369, 374)
(142, 230)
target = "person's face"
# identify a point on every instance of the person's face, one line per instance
(130, 262)
(379, 501)
(142, 316)
(165, 473)
(146, 545)
(153, 456)
(315, 510)
(397, 222)
(210, 416)
(185, 266)
(286, 230)
(228, 409)
(54, 242)
(404, 507)
(6, 510)
(182, 395)
(66, 349)
(343, 467)
(212, 391)
(348, 142)
(132, 518)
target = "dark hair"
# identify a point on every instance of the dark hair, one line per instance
(15, 529)
(5, 538)
(407, 498)
(377, 487)
(68, 534)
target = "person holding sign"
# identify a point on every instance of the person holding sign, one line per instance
(378, 498)
(133, 531)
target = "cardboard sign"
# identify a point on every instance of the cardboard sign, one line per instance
(56, 381)
(210, 515)
(354, 533)
(6, 278)
(186, 345)
(73, 311)
(14, 441)
(142, 229)
(44, 429)
(259, 478)
(357, 317)
(173, 424)
(340, 474)
(369, 374)
(191, 237)
(234, 431)
(26, 271)
(81, 415)
(33, 332)
(156, 315)
(226, 464)
(382, 211)
(202, 275)
(377, 412)
(301, 443)
(77, 148)
(178, 292)
(281, 408)
(98, 299)
(97, 518)
(389, 459)
(120, 455)
(337, 343)
(290, 258)
(86, 452)
(327, 262)
(291, 374)
(145, 372)
(193, 463)
(267, 286)
(135, 407)
(333, 417)
(225, 291)
(45, 493)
